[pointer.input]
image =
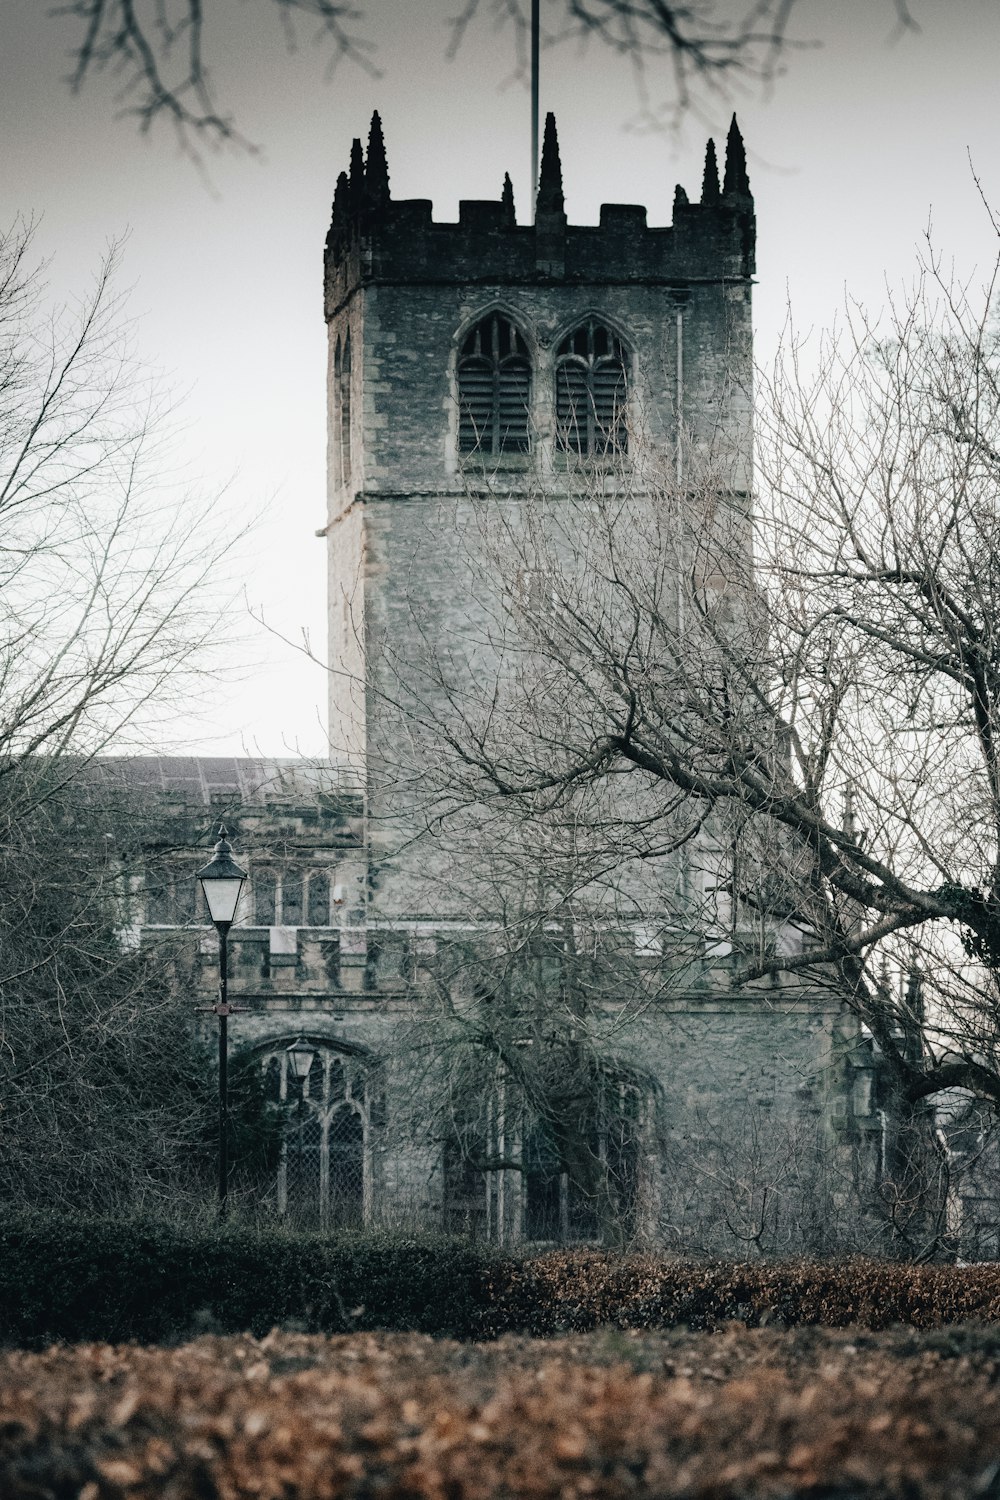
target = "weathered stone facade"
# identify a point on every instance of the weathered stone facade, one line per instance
(759, 1097)
(301, 965)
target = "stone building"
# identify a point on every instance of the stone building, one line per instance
(494, 353)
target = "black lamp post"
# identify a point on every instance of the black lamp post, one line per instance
(222, 880)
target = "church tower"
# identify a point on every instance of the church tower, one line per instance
(585, 1074)
(512, 355)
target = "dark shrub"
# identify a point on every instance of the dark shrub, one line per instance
(116, 1280)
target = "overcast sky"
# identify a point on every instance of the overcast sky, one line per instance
(865, 139)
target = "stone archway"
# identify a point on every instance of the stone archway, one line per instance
(325, 1171)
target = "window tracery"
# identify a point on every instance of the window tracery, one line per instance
(556, 1207)
(494, 389)
(324, 1173)
(592, 391)
(291, 897)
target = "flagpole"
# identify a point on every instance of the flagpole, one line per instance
(534, 103)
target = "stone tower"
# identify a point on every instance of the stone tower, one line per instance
(518, 361)
(495, 351)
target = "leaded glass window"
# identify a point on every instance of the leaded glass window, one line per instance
(324, 1176)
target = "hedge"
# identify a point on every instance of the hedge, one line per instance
(152, 1282)
(566, 1292)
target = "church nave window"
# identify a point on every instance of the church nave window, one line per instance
(494, 389)
(264, 888)
(592, 391)
(318, 909)
(324, 1173)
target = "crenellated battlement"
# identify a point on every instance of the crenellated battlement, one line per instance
(374, 238)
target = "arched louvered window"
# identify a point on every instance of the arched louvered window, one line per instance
(592, 391)
(494, 389)
(342, 376)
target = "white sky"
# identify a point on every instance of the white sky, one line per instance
(863, 141)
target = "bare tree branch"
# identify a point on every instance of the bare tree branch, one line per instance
(684, 57)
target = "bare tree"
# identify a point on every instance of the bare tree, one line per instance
(785, 714)
(523, 1043)
(104, 562)
(162, 54)
(105, 1096)
(878, 565)
(160, 50)
(566, 900)
(703, 54)
(108, 1097)
(110, 589)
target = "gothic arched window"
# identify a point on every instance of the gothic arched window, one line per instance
(324, 1174)
(592, 391)
(559, 1208)
(544, 1200)
(494, 389)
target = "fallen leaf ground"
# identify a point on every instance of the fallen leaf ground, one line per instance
(737, 1413)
